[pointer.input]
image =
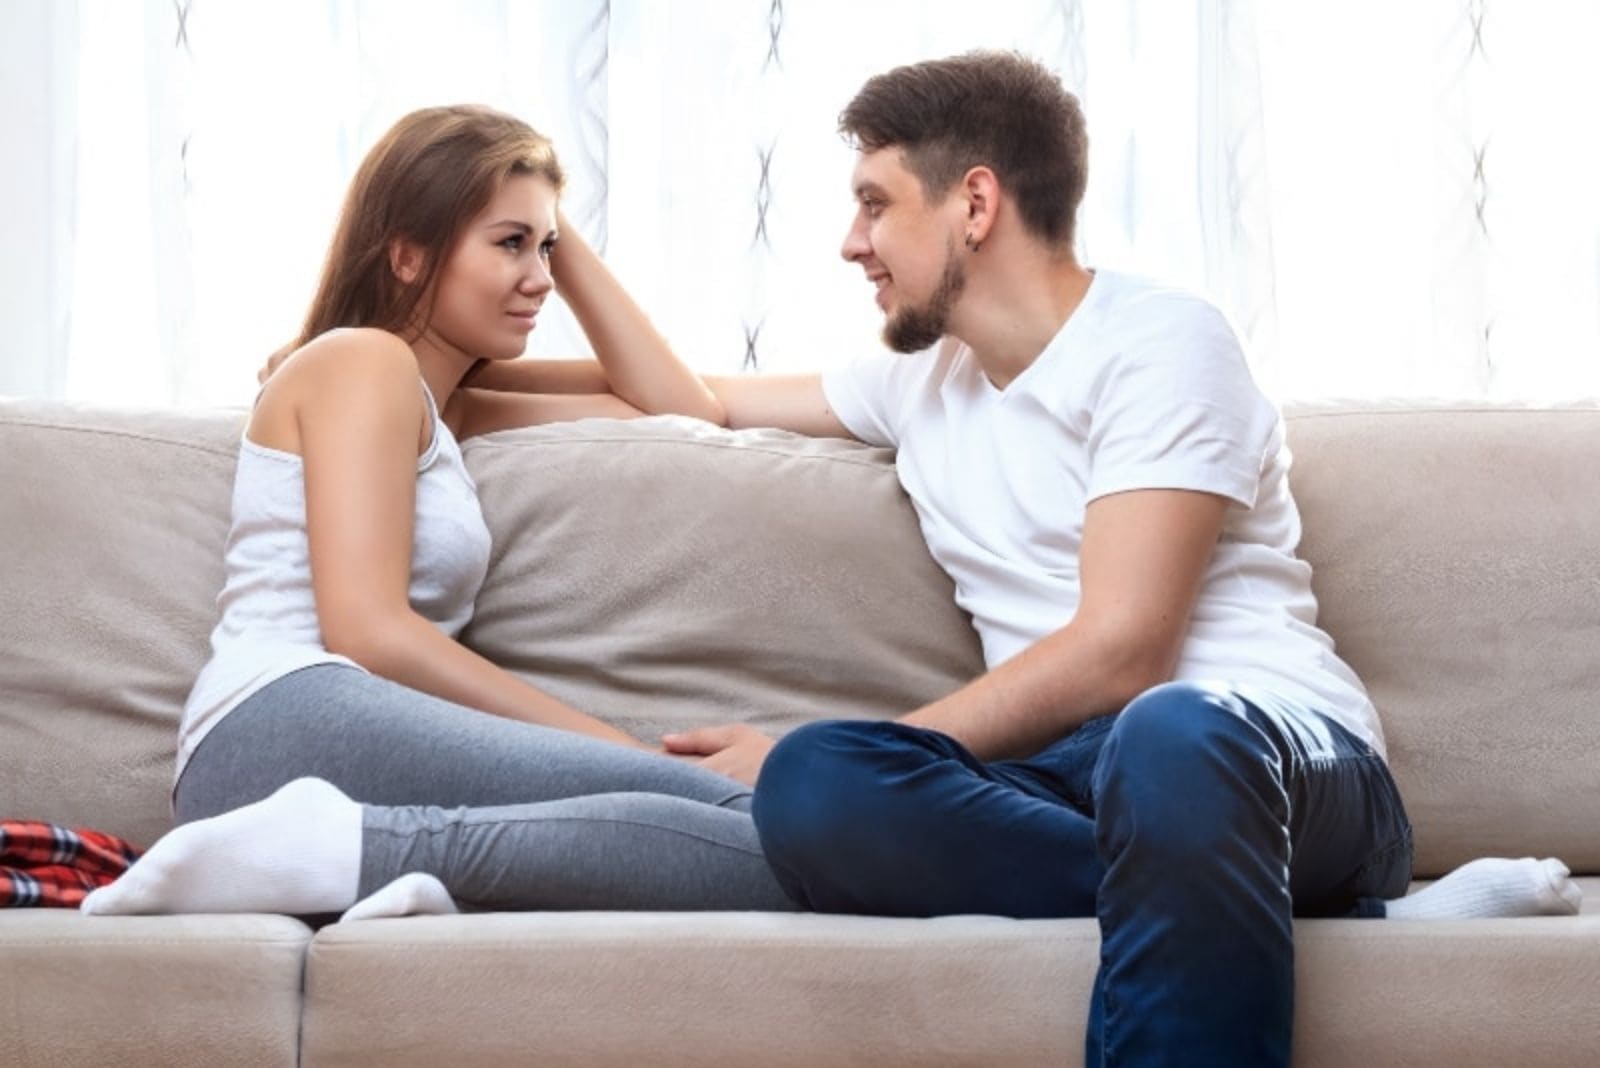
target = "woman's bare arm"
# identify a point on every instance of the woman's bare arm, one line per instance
(358, 408)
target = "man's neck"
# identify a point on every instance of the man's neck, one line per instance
(1009, 316)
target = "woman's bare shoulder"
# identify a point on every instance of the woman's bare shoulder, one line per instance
(351, 349)
(354, 365)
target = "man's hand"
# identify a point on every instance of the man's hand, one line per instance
(737, 750)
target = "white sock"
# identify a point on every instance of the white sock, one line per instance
(297, 852)
(414, 894)
(1493, 886)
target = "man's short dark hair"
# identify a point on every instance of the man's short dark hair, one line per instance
(995, 109)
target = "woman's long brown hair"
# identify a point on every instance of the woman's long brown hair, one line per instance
(426, 179)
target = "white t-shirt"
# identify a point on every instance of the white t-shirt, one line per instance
(1144, 387)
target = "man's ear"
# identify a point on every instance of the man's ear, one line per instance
(406, 259)
(980, 190)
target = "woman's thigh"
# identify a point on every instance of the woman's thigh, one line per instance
(386, 744)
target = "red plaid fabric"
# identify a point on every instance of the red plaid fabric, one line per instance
(45, 866)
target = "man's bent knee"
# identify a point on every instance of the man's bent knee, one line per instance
(1173, 725)
(1183, 760)
(827, 788)
(798, 795)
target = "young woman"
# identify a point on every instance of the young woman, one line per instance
(336, 690)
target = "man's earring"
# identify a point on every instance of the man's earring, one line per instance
(971, 244)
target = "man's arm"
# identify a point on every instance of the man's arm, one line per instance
(1144, 556)
(789, 402)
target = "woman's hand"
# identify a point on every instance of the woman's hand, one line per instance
(737, 750)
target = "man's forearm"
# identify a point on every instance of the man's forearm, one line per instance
(1044, 693)
(1144, 554)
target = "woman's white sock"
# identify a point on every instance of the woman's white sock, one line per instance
(297, 852)
(1493, 886)
(414, 894)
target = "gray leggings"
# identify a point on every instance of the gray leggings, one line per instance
(507, 815)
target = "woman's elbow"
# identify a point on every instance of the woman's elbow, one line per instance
(712, 410)
(362, 639)
(716, 403)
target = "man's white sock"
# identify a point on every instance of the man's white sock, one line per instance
(414, 894)
(297, 852)
(1493, 886)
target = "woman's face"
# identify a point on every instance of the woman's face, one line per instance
(494, 281)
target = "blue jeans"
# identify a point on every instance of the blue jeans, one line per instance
(1194, 825)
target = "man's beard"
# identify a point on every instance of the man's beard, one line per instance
(913, 329)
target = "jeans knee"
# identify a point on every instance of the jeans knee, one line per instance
(805, 794)
(836, 787)
(1184, 757)
(1166, 730)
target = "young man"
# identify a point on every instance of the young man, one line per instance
(1164, 739)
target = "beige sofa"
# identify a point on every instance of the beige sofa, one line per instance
(666, 573)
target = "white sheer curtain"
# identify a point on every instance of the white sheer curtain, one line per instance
(1391, 200)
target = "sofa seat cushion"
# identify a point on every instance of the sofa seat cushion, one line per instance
(596, 989)
(147, 990)
(671, 989)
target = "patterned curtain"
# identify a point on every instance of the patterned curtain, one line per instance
(1391, 200)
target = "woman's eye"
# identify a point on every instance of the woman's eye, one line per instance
(513, 243)
(546, 248)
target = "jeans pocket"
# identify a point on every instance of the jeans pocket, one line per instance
(1352, 840)
(1388, 873)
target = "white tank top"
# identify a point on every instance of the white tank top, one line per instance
(268, 626)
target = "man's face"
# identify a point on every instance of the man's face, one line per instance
(908, 247)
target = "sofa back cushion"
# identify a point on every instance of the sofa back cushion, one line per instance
(113, 522)
(1456, 557)
(666, 573)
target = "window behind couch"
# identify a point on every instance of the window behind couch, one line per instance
(1389, 199)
